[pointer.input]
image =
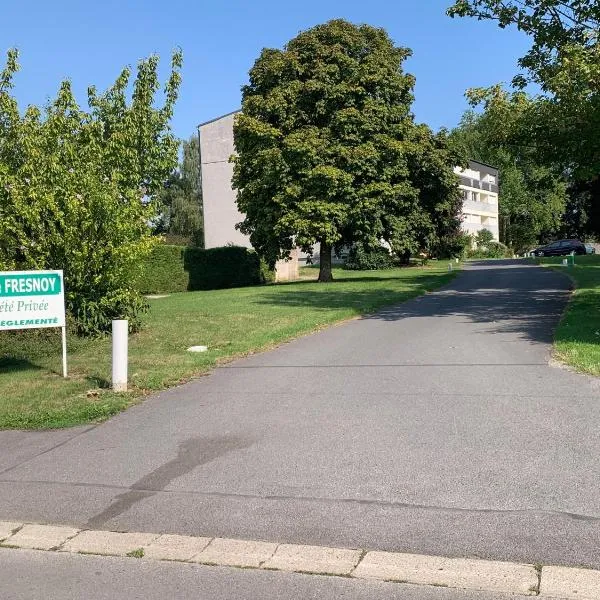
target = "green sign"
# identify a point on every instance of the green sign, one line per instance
(30, 284)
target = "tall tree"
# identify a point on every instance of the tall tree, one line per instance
(181, 198)
(77, 187)
(328, 152)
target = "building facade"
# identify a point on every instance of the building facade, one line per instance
(479, 188)
(478, 184)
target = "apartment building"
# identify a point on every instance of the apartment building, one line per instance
(479, 187)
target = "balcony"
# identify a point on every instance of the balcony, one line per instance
(471, 206)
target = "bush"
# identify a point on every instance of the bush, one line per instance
(363, 259)
(225, 267)
(453, 246)
(162, 272)
(171, 269)
(491, 250)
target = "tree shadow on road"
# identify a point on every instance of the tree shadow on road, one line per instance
(508, 296)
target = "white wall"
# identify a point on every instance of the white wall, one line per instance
(218, 199)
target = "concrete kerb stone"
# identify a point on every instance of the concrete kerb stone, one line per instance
(458, 573)
(236, 553)
(568, 583)
(313, 559)
(7, 528)
(40, 537)
(489, 576)
(175, 547)
(110, 543)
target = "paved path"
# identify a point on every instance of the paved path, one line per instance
(434, 427)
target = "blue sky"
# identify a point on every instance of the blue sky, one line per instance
(89, 42)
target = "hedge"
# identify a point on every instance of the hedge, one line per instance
(162, 271)
(171, 269)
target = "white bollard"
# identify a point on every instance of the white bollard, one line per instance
(120, 334)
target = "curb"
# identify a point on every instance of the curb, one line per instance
(456, 573)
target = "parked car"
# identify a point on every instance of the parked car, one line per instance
(561, 248)
(589, 249)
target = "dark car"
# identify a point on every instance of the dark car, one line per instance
(561, 248)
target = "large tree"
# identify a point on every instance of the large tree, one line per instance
(328, 151)
(77, 187)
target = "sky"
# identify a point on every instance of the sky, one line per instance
(89, 43)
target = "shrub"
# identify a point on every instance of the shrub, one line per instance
(491, 250)
(361, 258)
(225, 267)
(483, 238)
(453, 246)
(170, 269)
(162, 272)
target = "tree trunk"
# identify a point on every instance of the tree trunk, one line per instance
(325, 263)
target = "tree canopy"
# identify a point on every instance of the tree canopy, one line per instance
(77, 187)
(563, 122)
(181, 198)
(533, 194)
(328, 151)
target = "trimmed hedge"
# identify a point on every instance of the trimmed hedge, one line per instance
(170, 269)
(162, 271)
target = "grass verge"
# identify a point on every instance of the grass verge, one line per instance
(234, 322)
(577, 339)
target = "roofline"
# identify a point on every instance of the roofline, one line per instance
(484, 164)
(218, 118)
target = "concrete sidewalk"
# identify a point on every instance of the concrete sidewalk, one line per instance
(435, 427)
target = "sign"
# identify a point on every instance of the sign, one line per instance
(31, 299)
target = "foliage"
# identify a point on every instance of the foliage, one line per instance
(225, 267)
(170, 269)
(77, 187)
(490, 250)
(181, 198)
(453, 246)
(231, 322)
(483, 238)
(563, 123)
(162, 271)
(533, 194)
(328, 152)
(361, 258)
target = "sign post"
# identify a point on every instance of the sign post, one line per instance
(33, 300)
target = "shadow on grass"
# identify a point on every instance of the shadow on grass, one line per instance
(507, 296)
(10, 364)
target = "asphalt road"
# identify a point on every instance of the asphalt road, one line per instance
(436, 427)
(34, 575)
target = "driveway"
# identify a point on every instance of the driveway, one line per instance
(436, 426)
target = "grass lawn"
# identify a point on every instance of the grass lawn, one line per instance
(577, 339)
(230, 322)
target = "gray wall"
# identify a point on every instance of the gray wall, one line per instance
(218, 199)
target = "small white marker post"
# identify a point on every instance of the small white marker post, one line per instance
(120, 334)
(64, 351)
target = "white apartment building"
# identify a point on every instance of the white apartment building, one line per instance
(479, 187)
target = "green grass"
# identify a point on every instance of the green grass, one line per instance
(577, 339)
(230, 322)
